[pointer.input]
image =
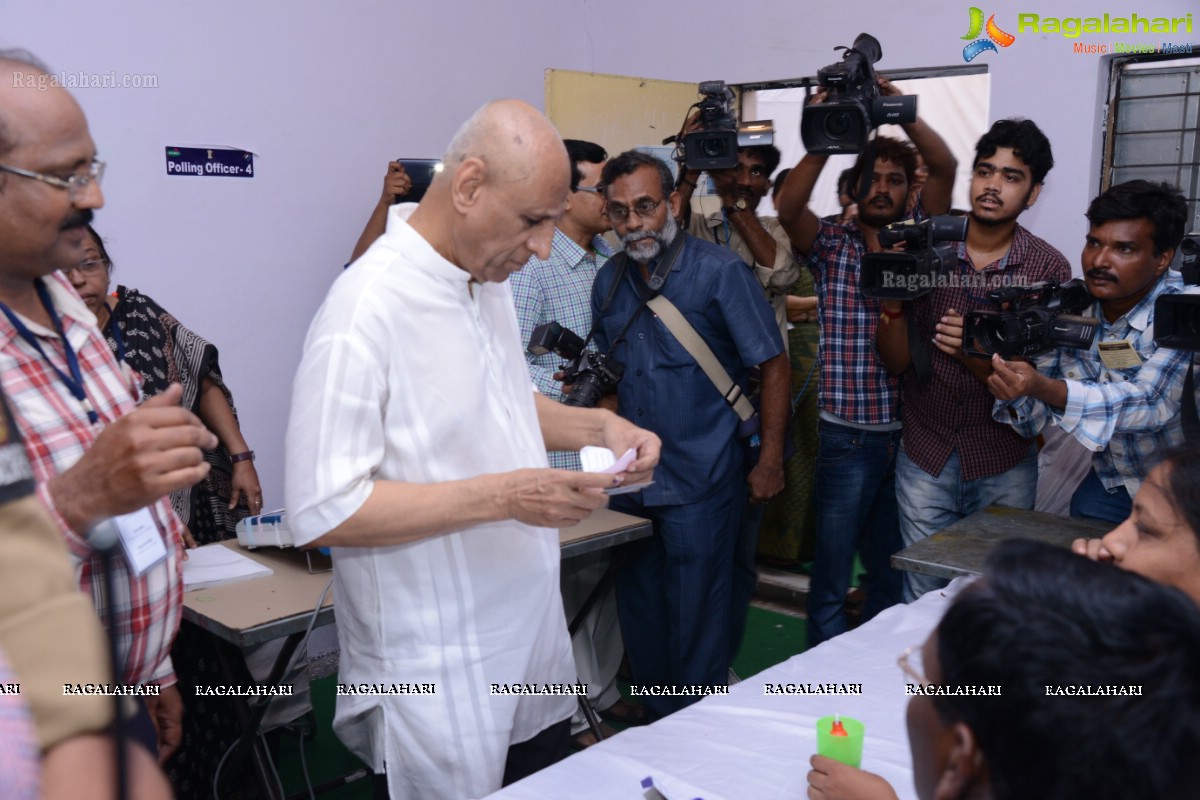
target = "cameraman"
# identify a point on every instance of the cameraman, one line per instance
(759, 241)
(954, 458)
(1121, 397)
(859, 426)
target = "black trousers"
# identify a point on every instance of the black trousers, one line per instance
(524, 758)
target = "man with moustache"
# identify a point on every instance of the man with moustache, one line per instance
(1120, 398)
(674, 591)
(954, 458)
(97, 461)
(422, 460)
(859, 419)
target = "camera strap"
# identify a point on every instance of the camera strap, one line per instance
(657, 280)
(918, 349)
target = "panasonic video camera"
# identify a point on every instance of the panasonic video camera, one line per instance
(587, 375)
(1177, 316)
(854, 106)
(928, 261)
(1030, 320)
(715, 145)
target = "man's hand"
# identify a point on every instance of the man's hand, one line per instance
(84, 767)
(1095, 549)
(146, 454)
(1013, 379)
(620, 435)
(766, 481)
(555, 498)
(833, 780)
(949, 336)
(396, 183)
(166, 711)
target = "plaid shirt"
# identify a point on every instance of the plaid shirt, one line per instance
(953, 409)
(557, 290)
(145, 611)
(855, 385)
(1125, 416)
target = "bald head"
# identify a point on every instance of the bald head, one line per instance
(17, 69)
(511, 137)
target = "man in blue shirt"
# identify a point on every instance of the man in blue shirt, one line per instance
(674, 592)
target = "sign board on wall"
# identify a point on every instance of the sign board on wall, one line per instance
(212, 162)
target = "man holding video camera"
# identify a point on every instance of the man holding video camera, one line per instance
(859, 423)
(1121, 397)
(954, 458)
(675, 591)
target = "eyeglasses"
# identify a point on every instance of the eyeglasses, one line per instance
(917, 672)
(87, 268)
(75, 185)
(643, 208)
(597, 189)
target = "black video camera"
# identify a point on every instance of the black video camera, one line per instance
(715, 145)
(929, 261)
(588, 374)
(1031, 319)
(854, 107)
(1177, 316)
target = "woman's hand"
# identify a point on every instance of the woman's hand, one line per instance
(245, 484)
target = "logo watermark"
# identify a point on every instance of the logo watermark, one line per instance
(936, 689)
(806, 689)
(10, 688)
(83, 80)
(954, 280)
(995, 36)
(277, 690)
(111, 690)
(1093, 691)
(676, 691)
(549, 689)
(344, 689)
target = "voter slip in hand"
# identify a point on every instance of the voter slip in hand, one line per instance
(601, 459)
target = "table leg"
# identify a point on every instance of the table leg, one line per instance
(602, 586)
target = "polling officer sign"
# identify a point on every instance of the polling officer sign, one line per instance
(212, 162)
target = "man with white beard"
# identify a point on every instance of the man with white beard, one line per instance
(674, 591)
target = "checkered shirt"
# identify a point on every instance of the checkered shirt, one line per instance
(144, 612)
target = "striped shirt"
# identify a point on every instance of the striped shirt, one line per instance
(1125, 416)
(558, 289)
(144, 612)
(952, 411)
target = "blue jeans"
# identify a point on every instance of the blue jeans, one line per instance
(932, 503)
(745, 574)
(855, 492)
(1092, 501)
(675, 592)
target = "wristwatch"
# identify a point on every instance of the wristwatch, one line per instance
(738, 205)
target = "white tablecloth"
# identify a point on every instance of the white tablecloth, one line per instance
(749, 744)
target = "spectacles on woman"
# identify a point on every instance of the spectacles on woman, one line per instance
(87, 268)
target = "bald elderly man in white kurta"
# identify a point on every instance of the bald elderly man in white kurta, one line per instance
(417, 450)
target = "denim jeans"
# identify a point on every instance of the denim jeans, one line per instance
(855, 492)
(931, 503)
(1092, 501)
(745, 574)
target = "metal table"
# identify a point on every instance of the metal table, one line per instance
(962, 548)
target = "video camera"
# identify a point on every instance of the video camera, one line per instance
(588, 375)
(1177, 316)
(854, 106)
(715, 145)
(1031, 319)
(919, 269)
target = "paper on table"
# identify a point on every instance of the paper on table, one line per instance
(216, 565)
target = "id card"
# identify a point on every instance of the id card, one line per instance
(140, 539)
(1119, 355)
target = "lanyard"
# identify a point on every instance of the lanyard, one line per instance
(115, 330)
(74, 381)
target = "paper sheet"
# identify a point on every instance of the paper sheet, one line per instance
(216, 565)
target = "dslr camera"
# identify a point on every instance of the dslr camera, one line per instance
(854, 107)
(715, 145)
(588, 374)
(1177, 316)
(929, 260)
(1030, 320)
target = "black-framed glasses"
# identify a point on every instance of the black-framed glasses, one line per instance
(75, 185)
(597, 189)
(643, 208)
(87, 268)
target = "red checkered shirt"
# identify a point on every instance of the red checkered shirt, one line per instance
(953, 410)
(143, 612)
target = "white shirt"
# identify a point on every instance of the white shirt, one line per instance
(411, 373)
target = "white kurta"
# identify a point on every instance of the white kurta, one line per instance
(411, 374)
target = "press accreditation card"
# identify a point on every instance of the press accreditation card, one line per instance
(1119, 355)
(140, 539)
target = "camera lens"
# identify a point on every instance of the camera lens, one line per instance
(713, 148)
(838, 124)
